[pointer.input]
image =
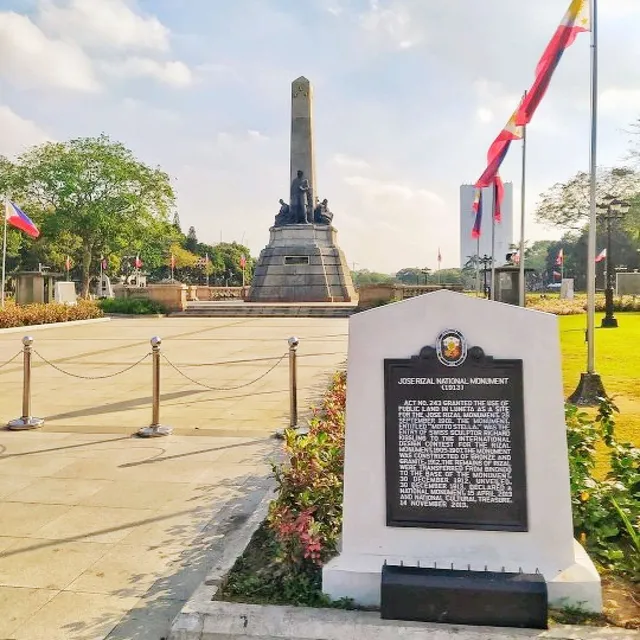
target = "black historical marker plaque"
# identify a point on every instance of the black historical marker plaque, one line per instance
(455, 450)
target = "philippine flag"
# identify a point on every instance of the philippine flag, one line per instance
(576, 20)
(17, 218)
(601, 256)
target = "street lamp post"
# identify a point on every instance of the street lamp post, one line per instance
(590, 388)
(610, 211)
(485, 261)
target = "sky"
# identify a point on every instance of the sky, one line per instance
(409, 94)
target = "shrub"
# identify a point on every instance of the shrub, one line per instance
(306, 516)
(133, 306)
(14, 315)
(606, 513)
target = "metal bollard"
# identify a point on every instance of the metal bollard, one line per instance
(27, 421)
(155, 429)
(293, 382)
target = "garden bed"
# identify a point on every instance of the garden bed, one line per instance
(14, 315)
(282, 564)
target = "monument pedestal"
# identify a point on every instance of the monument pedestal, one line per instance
(302, 263)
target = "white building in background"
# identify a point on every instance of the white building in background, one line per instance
(504, 229)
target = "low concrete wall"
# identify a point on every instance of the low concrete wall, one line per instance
(220, 293)
(373, 295)
(173, 296)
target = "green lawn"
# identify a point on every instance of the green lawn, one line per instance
(617, 361)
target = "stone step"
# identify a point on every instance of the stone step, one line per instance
(242, 310)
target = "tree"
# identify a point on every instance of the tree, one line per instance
(364, 277)
(191, 243)
(566, 205)
(96, 191)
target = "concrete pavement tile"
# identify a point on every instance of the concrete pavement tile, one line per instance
(6, 542)
(76, 616)
(176, 526)
(11, 484)
(46, 564)
(35, 466)
(139, 495)
(22, 519)
(126, 570)
(18, 604)
(94, 524)
(69, 491)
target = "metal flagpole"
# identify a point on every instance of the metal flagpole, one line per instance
(493, 246)
(478, 267)
(522, 289)
(591, 254)
(4, 254)
(590, 387)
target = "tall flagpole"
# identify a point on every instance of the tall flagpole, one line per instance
(522, 289)
(493, 246)
(478, 267)
(4, 254)
(590, 388)
(591, 254)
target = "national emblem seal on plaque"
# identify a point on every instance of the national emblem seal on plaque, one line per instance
(451, 348)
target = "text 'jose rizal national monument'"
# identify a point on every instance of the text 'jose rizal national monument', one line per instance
(302, 262)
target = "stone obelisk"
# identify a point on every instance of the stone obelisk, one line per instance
(302, 262)
(302, 149)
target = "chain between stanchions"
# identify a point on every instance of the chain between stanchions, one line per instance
(104, 377)
(4, 364)
(234, 388)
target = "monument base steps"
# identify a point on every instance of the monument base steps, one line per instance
(359, 577)
(257, 310)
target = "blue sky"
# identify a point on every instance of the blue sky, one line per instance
(408, 96)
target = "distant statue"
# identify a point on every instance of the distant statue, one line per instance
(301, 209)
(284, 215)
(321, 214)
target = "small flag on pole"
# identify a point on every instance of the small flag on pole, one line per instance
(67, 263)
(560, 258)
(138, 263)
(601, 256)
(477, 210)
(243, 261)
(173, 261)
(17, 218)
(103, 263)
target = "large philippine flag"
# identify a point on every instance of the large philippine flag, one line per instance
(576, 20)
(498, 151)
(17, 218)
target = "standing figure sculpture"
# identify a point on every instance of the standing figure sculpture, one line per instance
(301, 209)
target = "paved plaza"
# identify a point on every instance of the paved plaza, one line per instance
(103, 535)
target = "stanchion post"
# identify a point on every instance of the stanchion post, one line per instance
(155, 429)
(26, 421)
(293, 382)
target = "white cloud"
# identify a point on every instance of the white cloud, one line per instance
(109, 24)
(379, 189)
(391, 24)
(484, 115)
(173, 73)
(18, 133)
(32, 59)
(618, 101)
(349, 162)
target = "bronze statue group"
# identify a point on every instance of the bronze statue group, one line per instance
(302, 208)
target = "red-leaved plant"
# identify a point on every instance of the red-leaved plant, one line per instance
(306, 517)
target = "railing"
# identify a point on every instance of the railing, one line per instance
(156, 429)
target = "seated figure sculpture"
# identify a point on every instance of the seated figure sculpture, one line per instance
(321, 214)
